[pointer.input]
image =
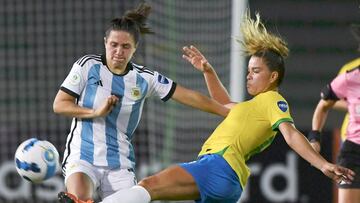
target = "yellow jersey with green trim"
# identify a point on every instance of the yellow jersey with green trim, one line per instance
(347, 67)
(249, 128)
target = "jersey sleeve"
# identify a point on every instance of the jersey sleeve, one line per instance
(74, 83)
(277, 111)
(162, 86)
(338, 86)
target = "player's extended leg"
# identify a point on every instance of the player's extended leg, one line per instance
(173, 183)
(210, 175)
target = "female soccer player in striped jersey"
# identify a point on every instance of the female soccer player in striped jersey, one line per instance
(105, 95)
(220, 172)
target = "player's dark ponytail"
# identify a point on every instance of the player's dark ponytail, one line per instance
(139, 16)
(133, 22)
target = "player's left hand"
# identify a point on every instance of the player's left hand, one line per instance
(338, 173)
(106, 106)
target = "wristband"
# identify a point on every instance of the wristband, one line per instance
(314, 136)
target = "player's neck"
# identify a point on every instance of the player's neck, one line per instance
(117, 70)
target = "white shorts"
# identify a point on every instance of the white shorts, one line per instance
(107, 181)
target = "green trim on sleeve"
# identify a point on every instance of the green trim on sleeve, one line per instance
(276, 125)
(222, 152)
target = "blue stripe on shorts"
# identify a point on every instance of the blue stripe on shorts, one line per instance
(215, 179)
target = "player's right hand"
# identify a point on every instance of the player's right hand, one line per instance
(195, 57)
(106, 107)
(338, 173)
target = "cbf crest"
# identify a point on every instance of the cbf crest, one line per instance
(282, 106)
(136, 93)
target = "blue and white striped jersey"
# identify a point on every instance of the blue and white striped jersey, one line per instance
(106, 141)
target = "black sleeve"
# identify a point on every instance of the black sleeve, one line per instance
(328, 94)
(70, 92)
(171, 92)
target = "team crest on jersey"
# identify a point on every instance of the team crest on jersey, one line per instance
(72, 166)
(75, 79)
(282, 106)
(162, 79)
(136, 93)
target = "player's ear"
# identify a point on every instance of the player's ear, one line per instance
(104, 40)
(274, 76)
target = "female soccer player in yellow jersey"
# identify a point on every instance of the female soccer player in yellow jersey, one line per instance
(220, 172)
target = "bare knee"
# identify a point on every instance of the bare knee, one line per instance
(151, 184)
(80, 185)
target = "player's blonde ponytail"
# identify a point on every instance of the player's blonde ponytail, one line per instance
(257, 39)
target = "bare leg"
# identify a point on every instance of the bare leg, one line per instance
(80, 185)
(173, 183)
(349, 195)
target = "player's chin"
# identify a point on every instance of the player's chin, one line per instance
(251, 91)
(118, 63)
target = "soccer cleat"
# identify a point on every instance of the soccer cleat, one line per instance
(65, 197)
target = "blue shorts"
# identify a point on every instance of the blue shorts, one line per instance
(215, 179)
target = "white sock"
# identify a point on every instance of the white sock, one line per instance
(135, 194)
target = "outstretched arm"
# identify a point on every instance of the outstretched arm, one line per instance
(199, 101)
(215, 87)
(297, 141)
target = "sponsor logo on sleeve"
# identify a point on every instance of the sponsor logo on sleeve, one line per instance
(75, 79)
(162, 79)
(282, 106)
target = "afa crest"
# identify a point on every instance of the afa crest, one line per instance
(136, 93)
